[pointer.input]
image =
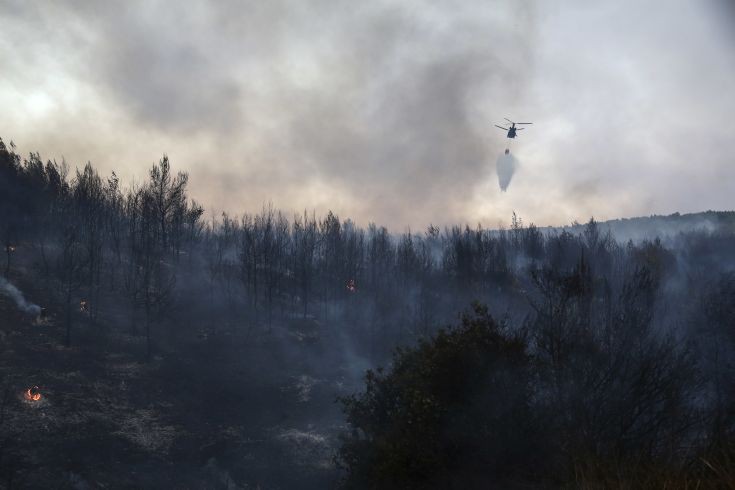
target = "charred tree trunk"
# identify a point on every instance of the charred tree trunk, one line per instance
(7, 260)
(67, 340)
(148, 331)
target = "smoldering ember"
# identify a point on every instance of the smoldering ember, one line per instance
(284, 245)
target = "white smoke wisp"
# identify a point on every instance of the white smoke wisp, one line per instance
(9, 290)
(506, 167)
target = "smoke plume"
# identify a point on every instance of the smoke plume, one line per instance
(17, 296)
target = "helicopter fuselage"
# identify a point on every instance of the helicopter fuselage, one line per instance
(512, 129)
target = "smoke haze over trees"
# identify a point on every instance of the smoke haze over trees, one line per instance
(598, 347)
(385, 112)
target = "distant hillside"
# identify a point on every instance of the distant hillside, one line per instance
(641, 228)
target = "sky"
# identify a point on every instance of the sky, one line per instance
(384, 111)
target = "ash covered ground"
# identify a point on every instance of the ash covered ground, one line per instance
(222, 410)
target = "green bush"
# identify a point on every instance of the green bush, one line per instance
(454, 412)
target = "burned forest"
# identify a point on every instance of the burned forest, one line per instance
(149, 344)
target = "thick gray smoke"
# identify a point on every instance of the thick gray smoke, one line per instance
(506, 167)
(10, 290)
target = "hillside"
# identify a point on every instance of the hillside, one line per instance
(174, 351)
(650, 227)
(187, 418)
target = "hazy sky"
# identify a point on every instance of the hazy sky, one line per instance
(384, 110)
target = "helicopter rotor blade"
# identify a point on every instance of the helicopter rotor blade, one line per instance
(501, 127)
(524, 123)
(508, 120)
(520, 129)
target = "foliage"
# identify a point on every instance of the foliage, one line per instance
(453, 412)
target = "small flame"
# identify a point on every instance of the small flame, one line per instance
(351, 286)
(33, 394)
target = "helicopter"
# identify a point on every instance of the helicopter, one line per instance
(512, 130)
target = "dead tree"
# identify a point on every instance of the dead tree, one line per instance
(156, 277)
(169, 199)
(304, 244)
(89, 203)
(248, 251)
(70, 264)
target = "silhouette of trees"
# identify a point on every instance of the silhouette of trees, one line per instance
(586, 386)
(716, 330)
(303, 252)
(69, 266)
(391, 287)
(453, 412)
(619, 353)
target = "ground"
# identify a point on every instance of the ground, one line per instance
(199, 414)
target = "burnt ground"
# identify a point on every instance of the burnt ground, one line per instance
(231, 408)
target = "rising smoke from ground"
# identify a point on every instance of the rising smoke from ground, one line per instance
(13, 292)
(506, 167)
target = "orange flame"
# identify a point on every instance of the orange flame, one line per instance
(33, 394)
